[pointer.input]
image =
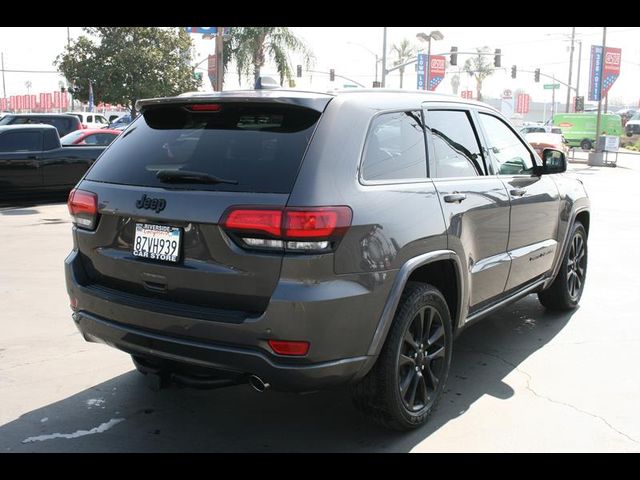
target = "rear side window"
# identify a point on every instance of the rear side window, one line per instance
(21, 142)
(51, 141)
(456, 149)
(258, 145)
(395, 148)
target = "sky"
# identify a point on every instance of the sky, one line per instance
(547, 48)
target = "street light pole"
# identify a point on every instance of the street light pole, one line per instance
(573, 37)
(4, 88)
(436, 35)
(384, 58)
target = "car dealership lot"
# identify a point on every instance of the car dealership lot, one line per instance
(521, 380)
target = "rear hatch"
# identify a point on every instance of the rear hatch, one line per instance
(163, 188)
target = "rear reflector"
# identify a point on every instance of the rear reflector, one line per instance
(284, 347)
(83, 207)
(205, 107)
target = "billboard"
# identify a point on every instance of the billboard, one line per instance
(207, 30)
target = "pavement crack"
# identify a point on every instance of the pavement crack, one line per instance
(551, 400)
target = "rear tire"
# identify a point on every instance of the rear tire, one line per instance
(407, 380)
(586, 144)
(565, 291)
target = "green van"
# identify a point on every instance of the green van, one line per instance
(580, 128)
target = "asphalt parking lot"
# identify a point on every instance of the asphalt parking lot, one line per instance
(522, 380)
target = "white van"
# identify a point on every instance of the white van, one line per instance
(91, 119)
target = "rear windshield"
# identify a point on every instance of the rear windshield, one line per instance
(258, 145)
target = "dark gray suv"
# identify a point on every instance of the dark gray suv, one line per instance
(300, 241)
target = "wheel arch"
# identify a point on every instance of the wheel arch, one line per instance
(436, 268)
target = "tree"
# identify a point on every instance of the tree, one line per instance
(455, 83)
(251, 47)
(125, 64)
(480, 67)
(404, 52)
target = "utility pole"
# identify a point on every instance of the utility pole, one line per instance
(553, 98)
(573, 38)
(598, 121)
(219, 51)
(68, 83)
(579, 63)
(384, 58)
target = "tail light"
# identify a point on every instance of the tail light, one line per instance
(293, 229)
(287, 347)
(83, 207)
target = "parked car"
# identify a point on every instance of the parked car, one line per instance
(540, 141)
(540, 129)
(626, 114)
(91, 136)
(64, 123)
(633, 126)
(580, 128)
(91, 119)
(33, 161)
(120, 122)
(298, 241)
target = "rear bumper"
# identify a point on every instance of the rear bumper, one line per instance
(337, 317)
(235, 360)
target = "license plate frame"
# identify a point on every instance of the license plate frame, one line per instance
(156, 242)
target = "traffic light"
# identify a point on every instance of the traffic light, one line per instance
(537, 75)
(332, 75)
(299, 71)
(496, 60)
(514, 71)
(579, 104)
(454, 56)
(197, 76)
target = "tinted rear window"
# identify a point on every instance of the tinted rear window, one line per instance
(259, 146)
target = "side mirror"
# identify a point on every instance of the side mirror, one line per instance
(553, 161)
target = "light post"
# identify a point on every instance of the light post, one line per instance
(435, 35)
(372, 53)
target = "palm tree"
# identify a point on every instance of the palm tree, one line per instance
(251, 47)
(455, 83)
(481, 67)
(404, 52)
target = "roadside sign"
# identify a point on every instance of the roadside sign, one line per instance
(551, 86)
(611, 143)
(467, 94)
(207, 30)
(422, 70)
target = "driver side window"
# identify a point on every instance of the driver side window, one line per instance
(510, 154)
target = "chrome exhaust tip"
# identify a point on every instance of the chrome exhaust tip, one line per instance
(258, 384)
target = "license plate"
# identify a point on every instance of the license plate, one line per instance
(157, 242)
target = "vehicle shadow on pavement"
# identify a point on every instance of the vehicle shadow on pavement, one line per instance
(22, 206)
(126, 415)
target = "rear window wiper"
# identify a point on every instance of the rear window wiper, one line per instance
(184, 176)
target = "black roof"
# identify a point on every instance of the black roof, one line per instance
(31, 126)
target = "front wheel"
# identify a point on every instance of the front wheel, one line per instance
(405, 384)
(565, 291)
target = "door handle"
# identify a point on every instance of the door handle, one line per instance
(455, 197)
(517, 192)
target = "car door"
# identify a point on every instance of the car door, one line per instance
(474, 201)
(19, 160)
(534, 200)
